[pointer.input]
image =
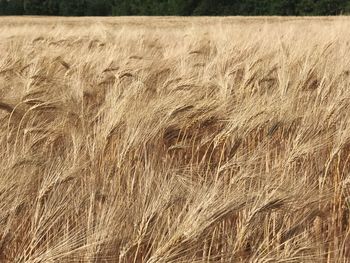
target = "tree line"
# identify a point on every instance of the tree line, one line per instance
(173, 7)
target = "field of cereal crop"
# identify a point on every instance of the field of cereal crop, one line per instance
(163, 140)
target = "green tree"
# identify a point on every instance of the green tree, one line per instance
(283, 7)
(53, 7)
(3, 7)
(330, 7)
(14, 7)
(174, 7)
(35, 7)
(121, 8)
(98, 8)
(206, 7)
(305, 7)
(72, 8)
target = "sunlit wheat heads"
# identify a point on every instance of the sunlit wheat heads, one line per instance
(166, 140)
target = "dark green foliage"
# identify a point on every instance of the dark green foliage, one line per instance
(35, 7)
(331, 7)
(3, 7)
(13, 7)
(98, 8)
(283, 7)
(72, 8)
(173, 7)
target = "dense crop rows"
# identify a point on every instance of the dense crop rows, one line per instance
(174, 140)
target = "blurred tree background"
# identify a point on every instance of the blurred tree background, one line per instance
(173, 7)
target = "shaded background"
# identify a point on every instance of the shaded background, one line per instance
(173, 7)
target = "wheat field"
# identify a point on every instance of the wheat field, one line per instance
(165, 140)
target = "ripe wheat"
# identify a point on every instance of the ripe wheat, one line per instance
(174, 140)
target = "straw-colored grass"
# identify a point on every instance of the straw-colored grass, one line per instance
(163, 140)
